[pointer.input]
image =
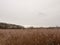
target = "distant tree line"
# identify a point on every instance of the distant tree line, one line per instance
(13, 26)
(44, 27)
(10, 26)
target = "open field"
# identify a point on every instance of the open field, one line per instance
(29, 36)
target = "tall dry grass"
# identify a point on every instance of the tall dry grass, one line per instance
(30, 37)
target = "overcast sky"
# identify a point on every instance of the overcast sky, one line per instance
(30, 12)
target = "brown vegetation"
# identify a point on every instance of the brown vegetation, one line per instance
(29, 36)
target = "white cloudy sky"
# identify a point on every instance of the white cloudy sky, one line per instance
(30, 12)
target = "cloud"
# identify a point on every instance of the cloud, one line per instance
(30, 12)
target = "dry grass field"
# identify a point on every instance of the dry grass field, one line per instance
(29, 36)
